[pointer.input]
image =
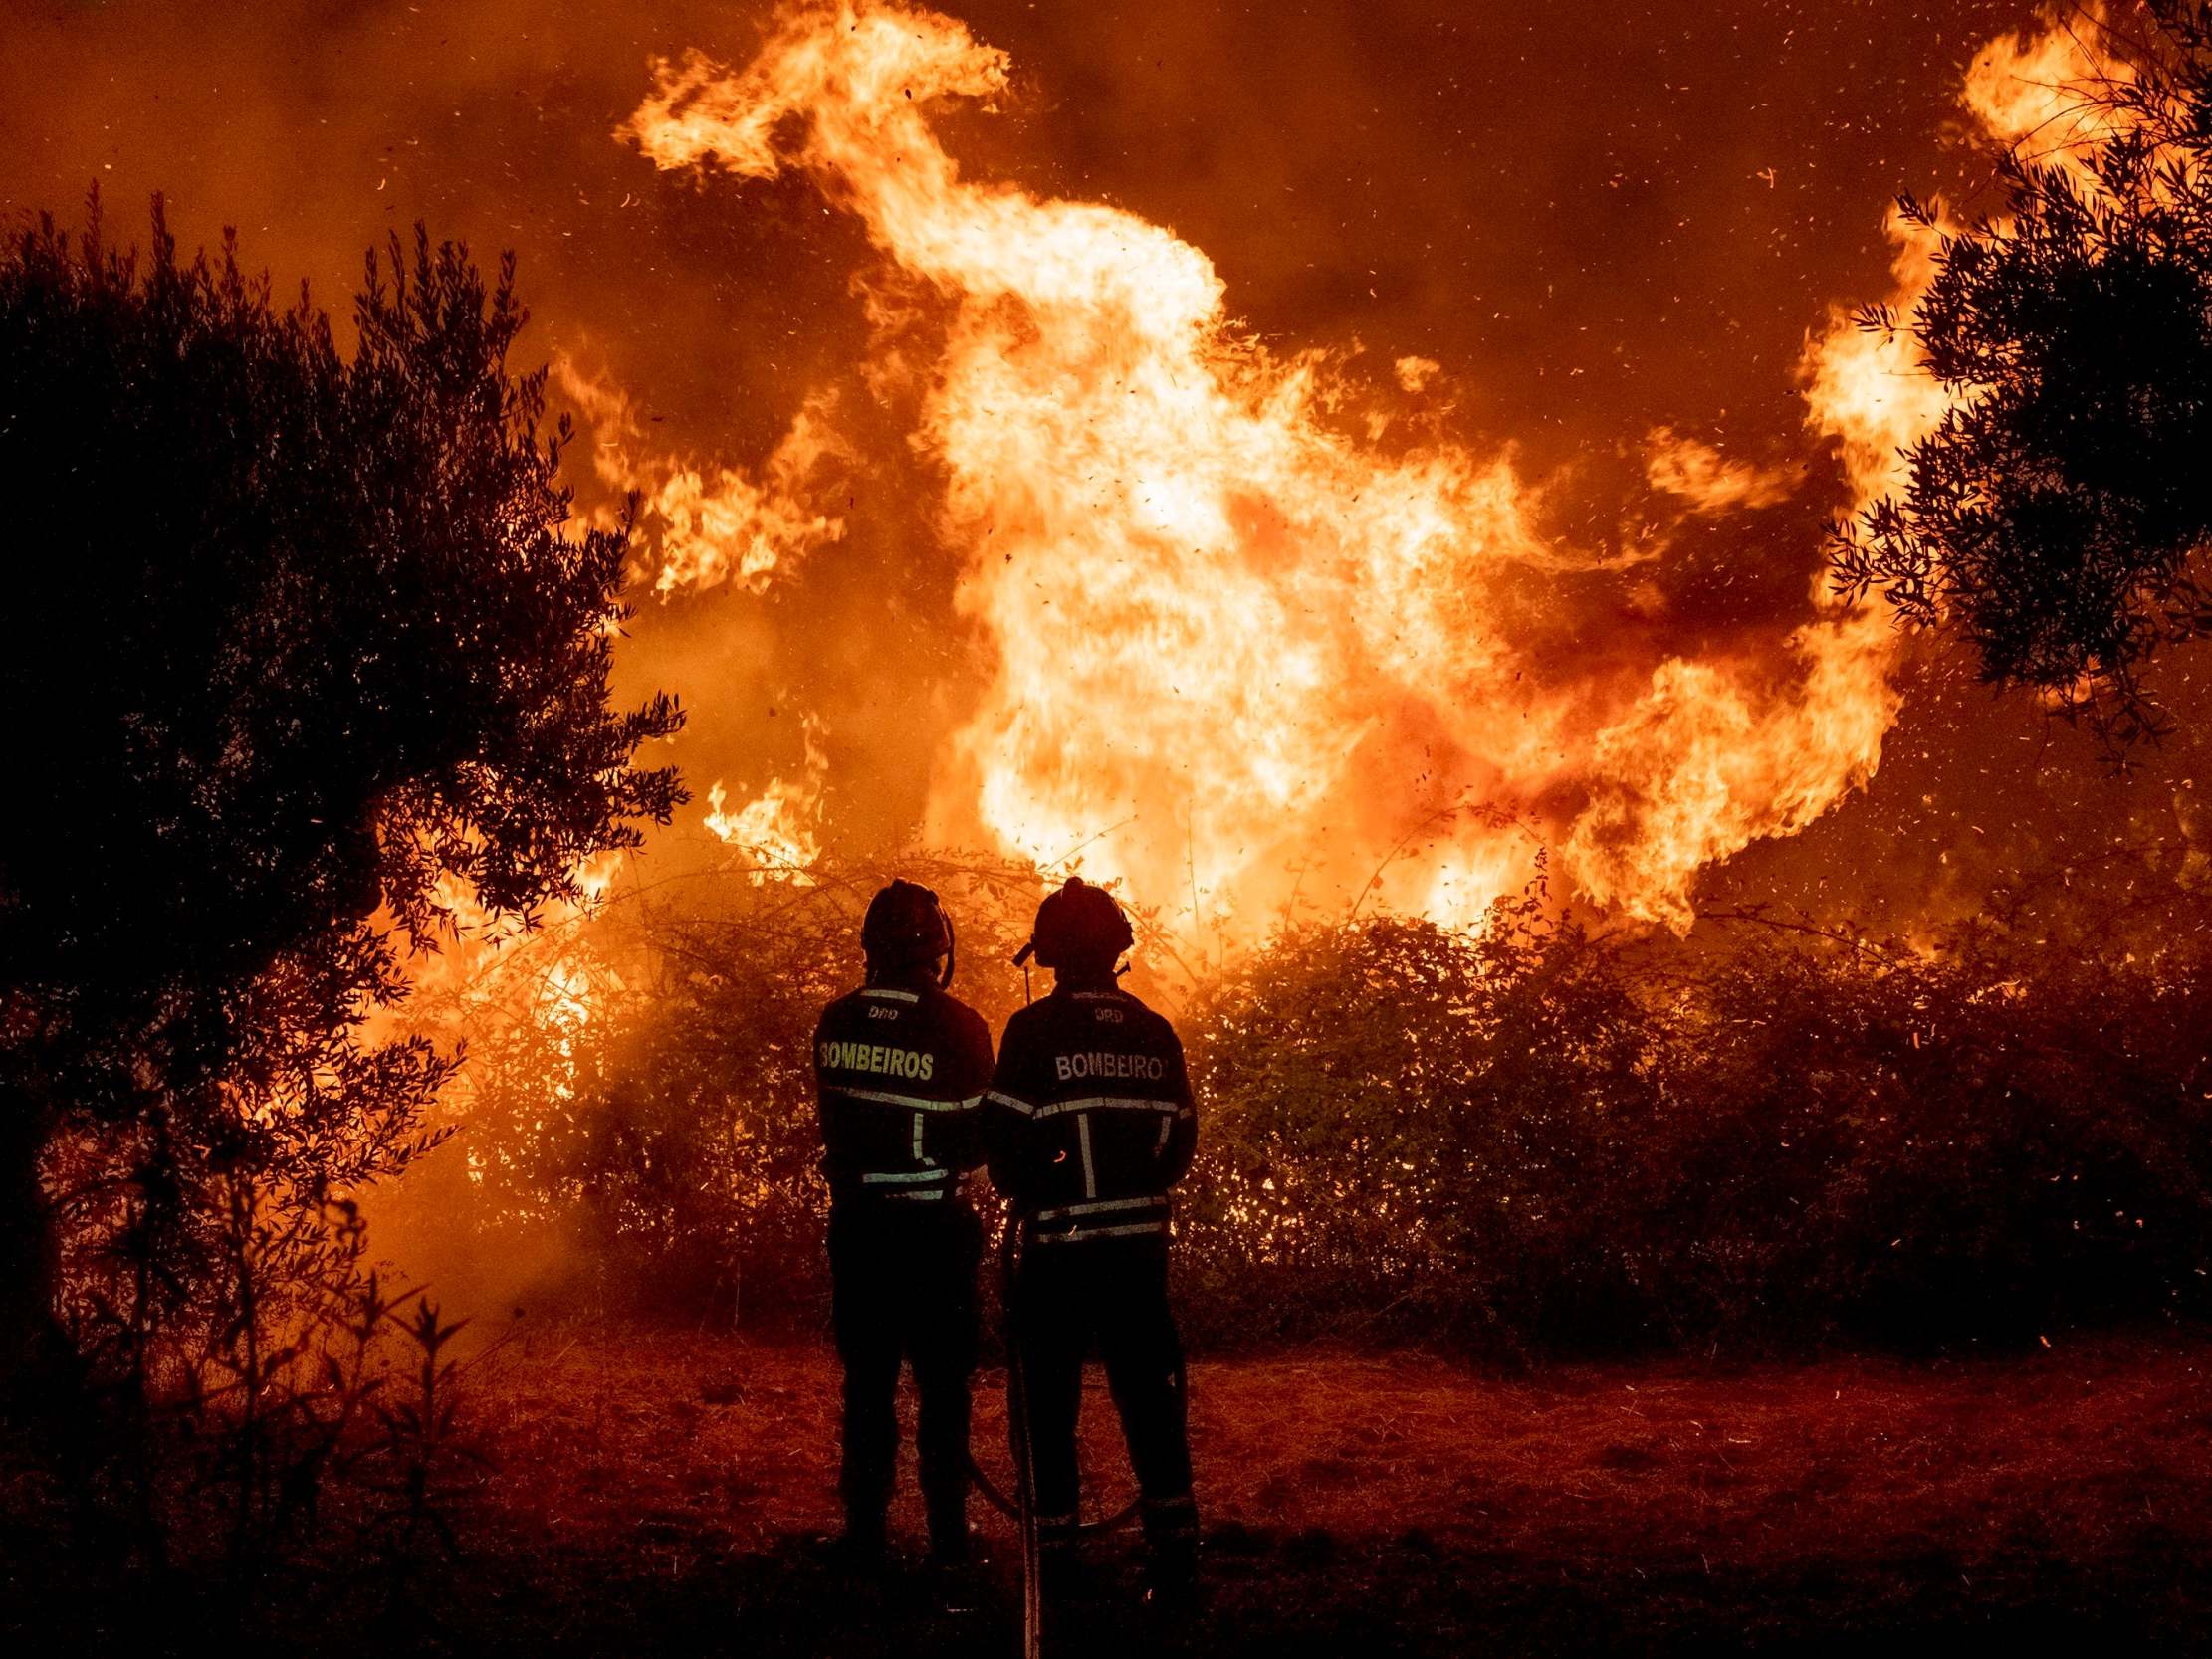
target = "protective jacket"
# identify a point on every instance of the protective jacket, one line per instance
(1089, 1120)
(901, 1071)
(901, 1068)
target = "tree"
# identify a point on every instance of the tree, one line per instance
(2054, 520)
(302, 640)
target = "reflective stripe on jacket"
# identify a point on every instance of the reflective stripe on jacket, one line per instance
(1089, 1120)
(900, 1072)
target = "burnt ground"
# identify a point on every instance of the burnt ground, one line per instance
(658, 1492)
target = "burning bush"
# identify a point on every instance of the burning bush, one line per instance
(1520, 1139)
(1530, 1138)
(639, 1113)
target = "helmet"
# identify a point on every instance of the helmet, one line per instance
(905, 927)
(1078, 924)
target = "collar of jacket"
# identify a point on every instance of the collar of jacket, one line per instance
(1106, 980)
(914, 977)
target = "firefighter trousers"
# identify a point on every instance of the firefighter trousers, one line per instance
(903, 1287)
(1112, 1293)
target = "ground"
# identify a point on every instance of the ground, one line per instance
(657, 1490)
(646, 1490)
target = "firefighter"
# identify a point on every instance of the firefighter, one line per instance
(901, 1068)
(1088, 1123)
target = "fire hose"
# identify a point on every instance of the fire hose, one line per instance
(1011, 1505)
(1022, 1508)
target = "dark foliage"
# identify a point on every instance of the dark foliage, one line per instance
(303, 641)
(1521, 1141)
(1601, 1145)
(2054, 520)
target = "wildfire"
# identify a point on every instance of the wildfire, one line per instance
(718, 525)
(2049, 92)
(1245, 645)
(776, 827)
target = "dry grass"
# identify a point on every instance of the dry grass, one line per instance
(647, 1480)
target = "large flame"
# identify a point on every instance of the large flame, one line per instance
(1243, 649)
(2050, 92)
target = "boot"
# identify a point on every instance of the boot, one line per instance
(1171, 1552)
(865, 1545)
(951, 1542)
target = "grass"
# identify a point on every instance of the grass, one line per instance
(648, 1481)
(657, 1490)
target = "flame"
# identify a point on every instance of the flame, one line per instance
(1865, 388)
(1414, 373)
(2041, 92)
(1707, 763)
(777, 828)
(2048, 91)
(720, 525)
(1676, 463)
(595, 875)
(1246, 651)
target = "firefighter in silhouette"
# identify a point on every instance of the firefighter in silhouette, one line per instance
(1088, 1123)
(901, 1068)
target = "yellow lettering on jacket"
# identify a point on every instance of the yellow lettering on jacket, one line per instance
(1068, 1066)
(877, 1057)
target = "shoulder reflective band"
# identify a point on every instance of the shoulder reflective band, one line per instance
(888, 995)
(912, 1103)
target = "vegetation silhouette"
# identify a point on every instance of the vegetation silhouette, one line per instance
(312, 652)
(1524, 1141)
(2053, 522)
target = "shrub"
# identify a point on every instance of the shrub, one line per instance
(1526, 1139)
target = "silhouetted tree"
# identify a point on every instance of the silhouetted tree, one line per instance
(300, 636)
(2054, 520)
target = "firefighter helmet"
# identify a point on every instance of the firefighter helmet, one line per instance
(1078, 926)
(906, 926)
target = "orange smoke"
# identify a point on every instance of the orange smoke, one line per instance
(1255, 640)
